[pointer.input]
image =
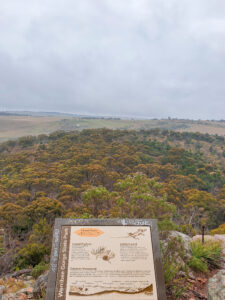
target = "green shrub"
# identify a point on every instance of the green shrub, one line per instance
(187, 229)
(198, 264)
(37, 248)
(39, 269)
(31, 255)
(2, 251)
(205, 256)
(219, 230)
(167, 225)
(173, 260)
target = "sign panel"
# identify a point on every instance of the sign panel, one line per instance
(105, 259)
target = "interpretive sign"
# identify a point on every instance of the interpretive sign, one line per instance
(105, 259)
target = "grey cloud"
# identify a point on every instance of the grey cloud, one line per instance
(152, 58)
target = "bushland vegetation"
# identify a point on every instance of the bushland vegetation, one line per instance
(178, 178)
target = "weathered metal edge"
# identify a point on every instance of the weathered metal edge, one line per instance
(50, 295)
(161, 289)
(105, 222)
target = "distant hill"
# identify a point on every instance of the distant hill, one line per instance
(18, 124)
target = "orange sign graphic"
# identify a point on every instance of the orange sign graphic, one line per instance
(89, 232)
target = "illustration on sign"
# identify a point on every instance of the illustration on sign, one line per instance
(103, 253)
(135, 235)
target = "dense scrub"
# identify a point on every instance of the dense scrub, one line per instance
(178, 178)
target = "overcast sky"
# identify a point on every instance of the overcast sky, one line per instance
(149, 58)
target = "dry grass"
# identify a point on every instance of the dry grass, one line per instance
(12, 285)
(210, 129)
(12, 127)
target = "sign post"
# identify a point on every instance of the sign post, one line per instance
(113, 259)
(203, 234)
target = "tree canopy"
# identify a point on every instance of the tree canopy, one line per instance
(105, 173)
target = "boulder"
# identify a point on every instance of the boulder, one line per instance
(2, 288)
(21, 272)
(221, 237)
(216, 286)
(27, 291)
(176, 247)
(40, 285)
(185, 239)
(18, 273)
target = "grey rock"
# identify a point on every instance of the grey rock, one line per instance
(185, 239)
(10, 296)
(26, 291)
(191, 275)
(19, 273)
(29, 278)
(29, 283)
(2, 287)
(40, 285)
(220, 237)
(182, 274)
(216, 286)
(176, 248)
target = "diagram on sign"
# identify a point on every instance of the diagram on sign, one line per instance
(103, 253)
(135, 235)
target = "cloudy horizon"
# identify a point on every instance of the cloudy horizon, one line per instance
(143, 58)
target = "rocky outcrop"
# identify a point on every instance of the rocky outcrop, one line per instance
(182, 250)
(19, 273)
(40, 285)
(17, 287)
(26, 293)
(176, 252)
(216, 286)
(21, 285)
(2, 288)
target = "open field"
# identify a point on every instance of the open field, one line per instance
(12, 127)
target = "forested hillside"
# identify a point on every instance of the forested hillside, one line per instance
(178, 178)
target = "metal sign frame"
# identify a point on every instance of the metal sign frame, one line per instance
(152, 223)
